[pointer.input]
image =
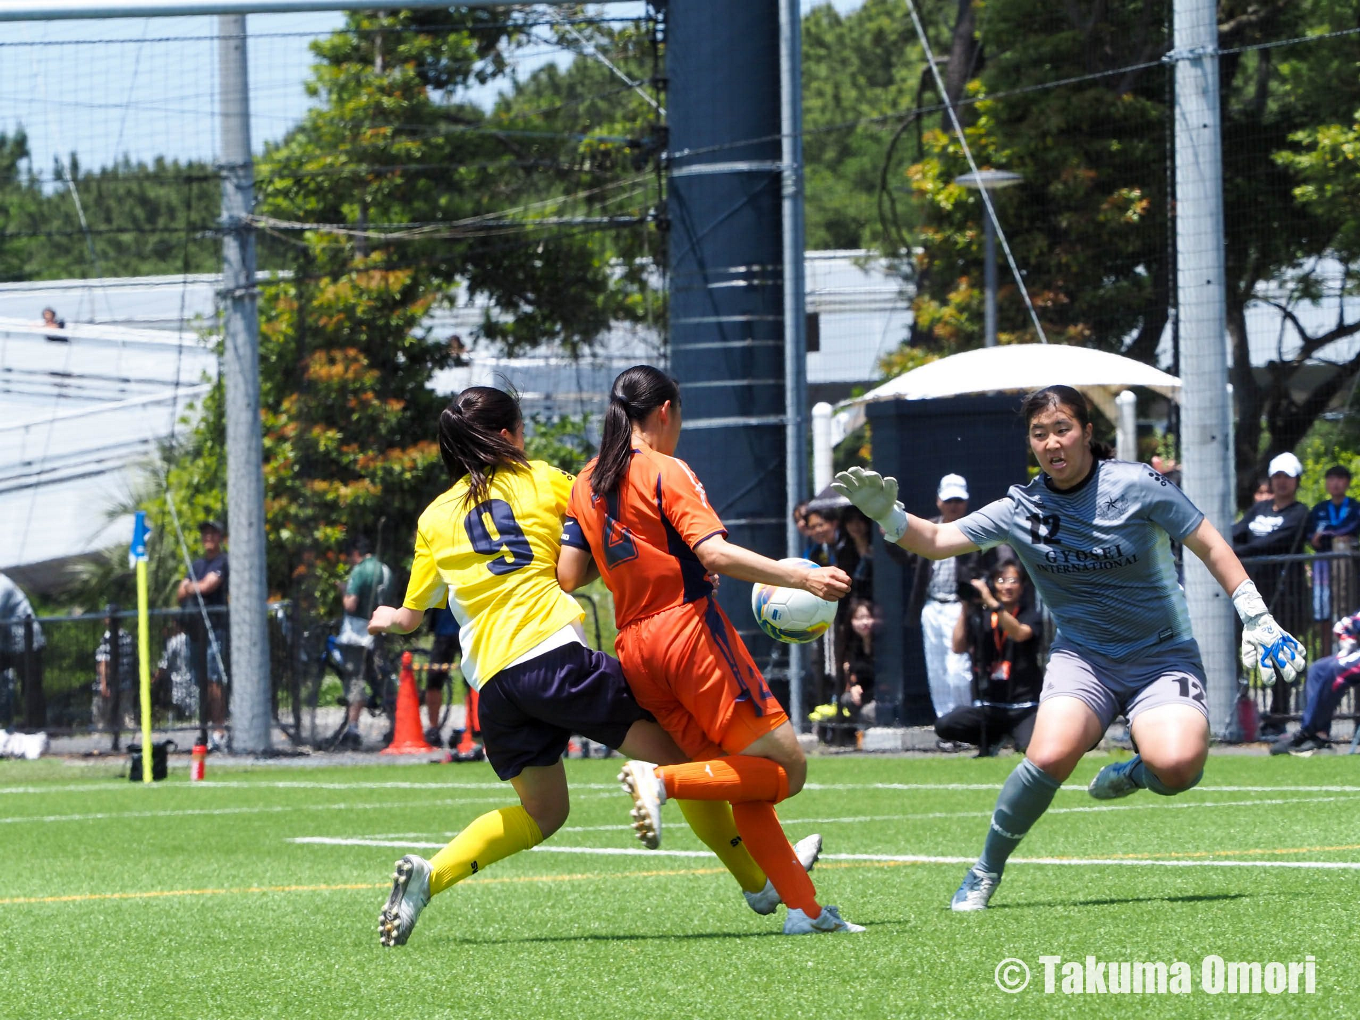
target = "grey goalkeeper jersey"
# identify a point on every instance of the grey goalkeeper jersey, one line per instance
(1100, 554)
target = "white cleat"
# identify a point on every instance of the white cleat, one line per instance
(410, 893)
(641, 782)
(829, 920)
(1113, 782)
(807, 850)
(976, 890)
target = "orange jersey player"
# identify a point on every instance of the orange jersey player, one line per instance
(642, 519)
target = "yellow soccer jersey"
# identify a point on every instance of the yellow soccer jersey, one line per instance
(496, 563)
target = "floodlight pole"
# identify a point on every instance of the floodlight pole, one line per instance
(250, 679)
(989, 180)
(1206, 413)
(795, 306)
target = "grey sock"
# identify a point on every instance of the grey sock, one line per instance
(1025, 797)
(1147, 779)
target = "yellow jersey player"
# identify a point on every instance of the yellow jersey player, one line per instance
(489, 547)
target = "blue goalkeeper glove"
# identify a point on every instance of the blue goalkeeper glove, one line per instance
(1265, 644)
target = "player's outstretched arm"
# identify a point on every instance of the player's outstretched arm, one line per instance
(575, 567)
(386, 620)
(876, 495)
(720, 556)
(1265, 644)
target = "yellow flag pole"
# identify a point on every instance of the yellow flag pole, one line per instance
(137, 554)
(144, 655)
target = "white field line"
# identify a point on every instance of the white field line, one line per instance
(108, 786)
(884, 858)
(1161, 803)
(1077, 787)
(267, 809)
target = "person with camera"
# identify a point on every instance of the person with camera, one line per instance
(1001, 630)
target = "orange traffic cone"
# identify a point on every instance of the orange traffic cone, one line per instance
(407, 736)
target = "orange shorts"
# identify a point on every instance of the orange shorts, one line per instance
(690, 669)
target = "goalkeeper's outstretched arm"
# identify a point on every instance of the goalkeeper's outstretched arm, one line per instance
(876, 496)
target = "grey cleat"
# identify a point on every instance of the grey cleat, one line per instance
(1113, 782)
(410, 893)
(975, 891)
(829, 920)
(807, 850)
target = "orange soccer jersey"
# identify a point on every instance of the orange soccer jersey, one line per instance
(683, 658)
(643, 536)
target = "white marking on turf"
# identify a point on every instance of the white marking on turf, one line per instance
(1143, 806)
(233, 784)
(600, 851)
(248, 810)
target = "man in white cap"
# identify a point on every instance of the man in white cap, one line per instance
(935, 595)
(1277, 527)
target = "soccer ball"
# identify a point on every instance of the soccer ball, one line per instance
(791, 615)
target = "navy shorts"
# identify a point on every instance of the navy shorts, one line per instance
(528, 712)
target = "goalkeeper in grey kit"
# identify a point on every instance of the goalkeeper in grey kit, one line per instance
(1095, 536)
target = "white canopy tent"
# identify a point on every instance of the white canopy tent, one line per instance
(1018, 368)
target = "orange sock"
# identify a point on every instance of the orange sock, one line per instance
(737, 779)
(765, 840)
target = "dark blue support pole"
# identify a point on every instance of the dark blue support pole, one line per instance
(726, 265)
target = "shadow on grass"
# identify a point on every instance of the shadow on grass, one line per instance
(1121, 901)
(610, 937)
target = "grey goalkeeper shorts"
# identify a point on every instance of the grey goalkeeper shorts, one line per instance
(1154, 677)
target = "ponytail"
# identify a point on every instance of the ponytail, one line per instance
(470, 440)
(636, 393)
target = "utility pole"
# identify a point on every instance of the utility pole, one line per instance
(250, 701)
(795, 306)
(1206, 415)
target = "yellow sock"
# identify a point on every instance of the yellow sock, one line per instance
(495, 835)
(712, 822)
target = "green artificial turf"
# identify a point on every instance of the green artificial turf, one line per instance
(196, 901)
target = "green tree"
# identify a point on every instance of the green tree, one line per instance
(1089, 225)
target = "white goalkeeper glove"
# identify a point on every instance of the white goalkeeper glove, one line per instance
(876, 496)
(1264, 642)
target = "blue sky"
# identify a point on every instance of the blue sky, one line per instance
(147, 86)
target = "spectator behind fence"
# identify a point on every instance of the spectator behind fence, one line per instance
(800, 512)
(857, 663)
(52, 320)
(824, 536)
(175, 673)
(444, 652)
(209, 581)
(859, 537)
(1277, 528)
(366, 588)
(1001, 630)
(115, 672)
(15, 608)
(1335, 518)
(1327, 681)
(1263, 491)
(934, 605)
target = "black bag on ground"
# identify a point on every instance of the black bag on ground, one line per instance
(159, 766)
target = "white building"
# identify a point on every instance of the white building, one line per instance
(79, 414)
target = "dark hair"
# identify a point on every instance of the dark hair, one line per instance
(1064, 396)
(1263, 481)
(1338, 471)
(470, 440)
(636, 393)
(800, 510)
(360, 545)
